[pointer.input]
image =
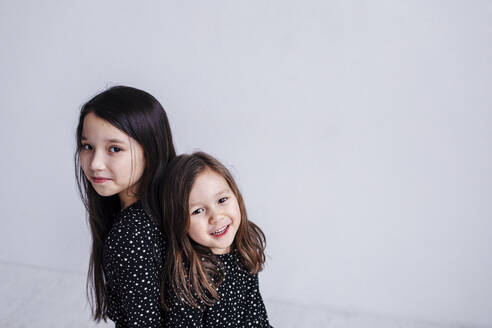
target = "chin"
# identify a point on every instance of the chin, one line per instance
(104, 193)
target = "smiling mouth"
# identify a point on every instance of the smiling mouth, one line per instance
(99, 179)
(222, 231)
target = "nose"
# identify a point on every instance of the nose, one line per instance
(215, 216)
(97, 161)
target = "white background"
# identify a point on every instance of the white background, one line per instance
(359, 133)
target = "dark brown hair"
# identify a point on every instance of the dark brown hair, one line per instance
(190, 269)
(141, 116)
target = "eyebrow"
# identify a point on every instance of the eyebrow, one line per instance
(111, 140)
(223, 191)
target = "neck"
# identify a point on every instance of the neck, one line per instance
(126, 200)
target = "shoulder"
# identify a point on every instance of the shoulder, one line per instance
(133, 222)
(134, 237)
(236, 275)
(132, 226)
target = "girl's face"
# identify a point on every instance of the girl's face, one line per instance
(214, 214)
(112, 161)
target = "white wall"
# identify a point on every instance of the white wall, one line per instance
(360, 134)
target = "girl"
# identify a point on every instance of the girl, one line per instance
(214, 254)
(124, 144)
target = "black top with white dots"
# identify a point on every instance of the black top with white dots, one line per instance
(132, 259)
(240, 303)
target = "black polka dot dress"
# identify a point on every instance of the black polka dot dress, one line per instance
(132, 259)
(240, 303)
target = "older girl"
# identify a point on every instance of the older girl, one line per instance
(124, 144)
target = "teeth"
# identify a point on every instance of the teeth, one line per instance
(218, 232)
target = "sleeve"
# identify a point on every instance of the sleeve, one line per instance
(134, 275)
(256, 315)
(181, 314)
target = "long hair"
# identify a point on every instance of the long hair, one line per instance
(190, 269)
(140, 116)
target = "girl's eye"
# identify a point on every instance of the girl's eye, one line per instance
(86, 147)
(114, 149)
(223, 200)
(197, 211)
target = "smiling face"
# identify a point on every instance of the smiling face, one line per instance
(214, 212)
(112, 161)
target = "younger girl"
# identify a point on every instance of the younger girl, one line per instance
(123, 146)
(210, 277)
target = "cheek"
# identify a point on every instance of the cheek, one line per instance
(84, 161)
(195, 230)
(137, 167)
(138, 160)
(121, 168)
(237, 213)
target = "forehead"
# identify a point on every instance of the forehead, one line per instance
(95, 127)
(207, 184)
